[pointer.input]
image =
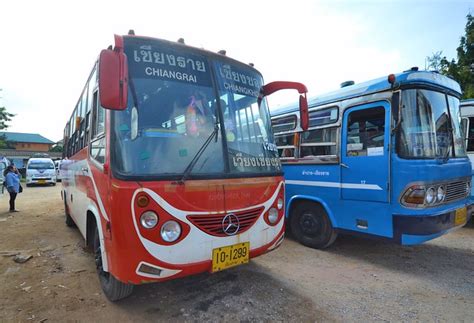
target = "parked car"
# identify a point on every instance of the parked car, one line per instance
(40, 171)
(4, 162)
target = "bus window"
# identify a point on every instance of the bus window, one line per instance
(365, 130)
(284, 124)
(319, 142)
(470, 135)
(286, 146)
(322, 117)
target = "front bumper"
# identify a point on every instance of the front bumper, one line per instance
(410, 230)
(38, 181)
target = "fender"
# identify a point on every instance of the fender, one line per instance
(312, 199)
(92, 207)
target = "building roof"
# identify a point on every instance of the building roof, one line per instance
(26, 137)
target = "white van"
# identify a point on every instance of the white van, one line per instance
(58, 166)
(40, 171)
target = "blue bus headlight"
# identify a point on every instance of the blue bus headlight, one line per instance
(430, 197)
(440, 194)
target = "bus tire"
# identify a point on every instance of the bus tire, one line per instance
(69, 221)
(113, 289)
(311, 225)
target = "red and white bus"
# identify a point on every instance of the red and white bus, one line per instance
(171, 166)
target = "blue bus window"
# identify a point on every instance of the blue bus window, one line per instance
(322, 117)
(284, 124)
(365, 130)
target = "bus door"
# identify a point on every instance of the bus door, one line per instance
(365, 152)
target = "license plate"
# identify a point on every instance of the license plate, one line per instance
(461, 216)
(42, 181)
(230, 256)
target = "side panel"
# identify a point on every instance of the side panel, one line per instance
(365, 153)
(322, 184)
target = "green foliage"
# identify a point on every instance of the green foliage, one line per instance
(462, 70)
(4, 118)
(57, 149)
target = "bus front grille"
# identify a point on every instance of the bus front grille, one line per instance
(213, 223)
(456, 191)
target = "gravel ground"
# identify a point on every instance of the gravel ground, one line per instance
(355, 280)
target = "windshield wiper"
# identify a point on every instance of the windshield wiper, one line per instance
(450, 146)
(196, 157)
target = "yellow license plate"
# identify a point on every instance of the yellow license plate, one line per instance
(461, 216)
(42, 181)
(230, 256)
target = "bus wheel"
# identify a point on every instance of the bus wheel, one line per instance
(311, 225)
(113, 289)
(69, 221)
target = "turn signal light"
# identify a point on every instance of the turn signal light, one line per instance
(143, 201)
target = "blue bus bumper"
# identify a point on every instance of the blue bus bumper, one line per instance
(409, 230)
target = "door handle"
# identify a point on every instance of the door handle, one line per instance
(85, 169)
(344, 165)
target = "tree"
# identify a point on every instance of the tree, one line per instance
(57, 148)
(4, 118)
(435, 61)
(462, 70)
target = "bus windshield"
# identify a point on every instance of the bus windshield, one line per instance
(428, 129)
(173, 109)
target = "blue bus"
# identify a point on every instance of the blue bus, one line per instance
(384, 158)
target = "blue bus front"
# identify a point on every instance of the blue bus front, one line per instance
(431, 180)
(392, 164)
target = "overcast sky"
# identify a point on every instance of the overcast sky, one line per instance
(49, 47)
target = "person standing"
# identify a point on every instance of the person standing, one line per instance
(12, 180)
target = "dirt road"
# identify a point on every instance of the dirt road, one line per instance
(356, 280)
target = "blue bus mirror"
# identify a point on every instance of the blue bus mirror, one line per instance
(304, 115)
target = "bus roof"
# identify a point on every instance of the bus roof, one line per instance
(411, 77)
(467, 102)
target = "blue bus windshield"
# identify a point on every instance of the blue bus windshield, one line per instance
(427, 129)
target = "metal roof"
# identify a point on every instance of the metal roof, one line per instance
(374, 86)
(26, 137)
(467, 102)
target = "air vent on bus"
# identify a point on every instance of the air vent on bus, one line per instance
(347, 83)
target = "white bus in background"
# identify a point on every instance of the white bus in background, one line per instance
(467, 114)
(58, 167)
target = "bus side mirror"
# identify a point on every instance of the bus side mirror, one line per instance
(304, 115)
(113, 79)
(303, 102)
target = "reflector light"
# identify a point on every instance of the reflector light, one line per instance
(143, 201)
(144, 268)
(391, 78)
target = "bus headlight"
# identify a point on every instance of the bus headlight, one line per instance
(468, 188)
(430, 197)
(440, 194)
(272, 215)
(149, 220)
(170, 231)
